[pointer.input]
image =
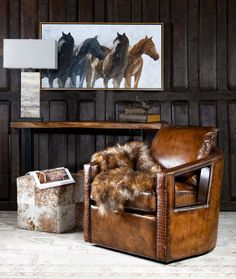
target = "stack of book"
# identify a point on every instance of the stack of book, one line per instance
(138, 115)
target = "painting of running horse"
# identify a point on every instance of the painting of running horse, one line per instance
(96, 56)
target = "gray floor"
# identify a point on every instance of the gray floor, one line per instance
(29, 254)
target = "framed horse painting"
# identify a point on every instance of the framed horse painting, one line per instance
(117, 56)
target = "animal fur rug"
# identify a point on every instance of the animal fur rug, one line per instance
(125, 171)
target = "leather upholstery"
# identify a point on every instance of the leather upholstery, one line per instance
(146, 201)
(174, 146)
(183, 222)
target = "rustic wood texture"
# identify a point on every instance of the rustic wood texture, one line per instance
(86, 124)
(199, 83)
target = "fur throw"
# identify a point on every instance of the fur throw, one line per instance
(125, 171)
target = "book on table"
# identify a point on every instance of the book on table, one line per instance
(123, 117)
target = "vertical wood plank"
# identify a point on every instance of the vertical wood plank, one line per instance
(122, 10)
(232, 43)
(44, 148)
(180, 113)
(165, 18)
(207, 48)
(166, 111)
(4, 150)
(14, 152)
(58, 141)
(151, 10)
(86, 10)
(222, 45)
(100, 116)
(137, 10)
(110, 10)
(194, 112)
(232, 149)
(43, 11)
(180, 50)
(71, 10)
(4, 33)
(99, 11)
(86, 142)
(193, 39)
(14, 34)
(29, 20)
(223, 142)
(208, 115)
(57, 10)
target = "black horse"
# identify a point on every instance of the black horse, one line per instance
(80, 59)
(65, 54)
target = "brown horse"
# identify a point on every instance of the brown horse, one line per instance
(113, 66)
(135, 60)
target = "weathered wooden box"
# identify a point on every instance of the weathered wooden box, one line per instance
(50, 210)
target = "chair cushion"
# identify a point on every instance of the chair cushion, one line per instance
(177, 145)
(146, 201)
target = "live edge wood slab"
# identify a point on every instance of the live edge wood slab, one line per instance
(87, 125)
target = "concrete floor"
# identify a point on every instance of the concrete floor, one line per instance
(30, 254)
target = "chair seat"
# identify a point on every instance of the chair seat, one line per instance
(146, 201)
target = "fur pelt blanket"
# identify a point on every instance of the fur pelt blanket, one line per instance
(125, 171)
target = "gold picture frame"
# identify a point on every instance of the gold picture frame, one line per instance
(105, 56)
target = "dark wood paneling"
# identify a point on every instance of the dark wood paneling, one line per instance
(180, 49)
(86, 143)
(208, 114)
(99, 11)
(207, 48)
(86, 10)
(151, 10)
(14, 7)
(4, 150)
(180, 113)
(57, 10)
(122, 10)
(232, 137)
(4, 26)
(222, 82)
(58, 141)
(29, 19)
(137, 11)
(193, 39)
(232, 43)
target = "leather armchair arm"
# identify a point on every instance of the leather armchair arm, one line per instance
(170, 218)
(89, 173)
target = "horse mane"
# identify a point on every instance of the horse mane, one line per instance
(137, 49)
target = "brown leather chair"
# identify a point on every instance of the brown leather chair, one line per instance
(180, 219)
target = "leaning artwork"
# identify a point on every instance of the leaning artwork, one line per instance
(105, 56)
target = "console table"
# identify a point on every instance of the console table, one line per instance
(29, 126)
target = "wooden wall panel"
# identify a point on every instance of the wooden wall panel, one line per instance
(180, 113)
(232, 43)
(29, 19)
(86, 143)
(14, 13)
(4, 33)
(193, 39)
(208, 115)
(151, 10)
(180, 49)
(207, 48)
(57, 10)
(4, 150)
(232, 137)
(86, 10)
(122, 10)
(137, 11)
(58, 140)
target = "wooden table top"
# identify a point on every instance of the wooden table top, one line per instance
(87, 125)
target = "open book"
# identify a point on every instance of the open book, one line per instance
(52, 178)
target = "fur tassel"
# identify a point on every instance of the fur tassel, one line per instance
(125, 172)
